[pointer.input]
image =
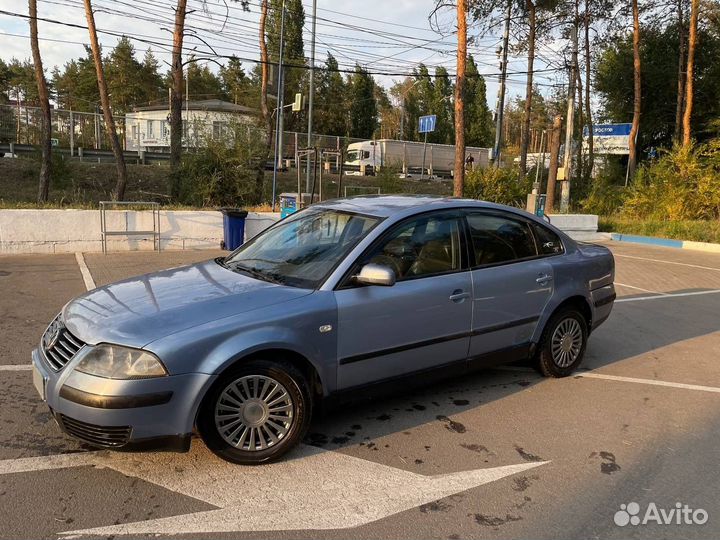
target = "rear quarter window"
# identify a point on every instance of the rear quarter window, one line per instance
(548, 242)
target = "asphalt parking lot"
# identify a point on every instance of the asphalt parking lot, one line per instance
(501, 454)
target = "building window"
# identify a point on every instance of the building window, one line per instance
(150, 130)
(220, 129)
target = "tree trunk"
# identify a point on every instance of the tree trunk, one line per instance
(555, 136)
(581, 118)
(264, 109)
(459, 179)
(105, 102)
(637, 102)
(690, 75)
(588, 76)
(680, 104)
(176, 95)
(530, 6)
(46, 124)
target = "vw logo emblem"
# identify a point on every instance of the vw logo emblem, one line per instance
(53, 334)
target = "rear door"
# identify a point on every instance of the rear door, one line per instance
(512, 284)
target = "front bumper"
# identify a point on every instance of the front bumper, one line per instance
(125, 415)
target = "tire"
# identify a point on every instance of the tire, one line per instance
(562, 345)
(234, 419)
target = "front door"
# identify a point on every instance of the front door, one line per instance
(421, 322)
(511, 286)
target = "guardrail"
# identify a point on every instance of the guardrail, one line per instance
(88, 154)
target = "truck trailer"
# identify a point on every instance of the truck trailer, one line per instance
(407, 157)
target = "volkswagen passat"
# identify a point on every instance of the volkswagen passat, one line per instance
(336, 298)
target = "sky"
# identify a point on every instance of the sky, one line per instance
(388, 37)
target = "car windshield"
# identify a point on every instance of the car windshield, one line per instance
(303, 249)
(353, 155)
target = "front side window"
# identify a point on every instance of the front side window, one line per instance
(422, 247)
(303, 249)
(497, 239)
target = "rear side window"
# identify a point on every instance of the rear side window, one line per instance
(496, 239)
(547, 241)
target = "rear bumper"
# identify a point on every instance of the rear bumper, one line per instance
(124, 415)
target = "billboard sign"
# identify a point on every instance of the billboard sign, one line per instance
(609, 139)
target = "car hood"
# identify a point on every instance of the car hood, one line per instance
(137, 311)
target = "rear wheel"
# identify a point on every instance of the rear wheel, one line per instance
(256, 412)
(563, 343)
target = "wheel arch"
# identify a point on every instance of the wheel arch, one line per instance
(579, 302)
(301, 362)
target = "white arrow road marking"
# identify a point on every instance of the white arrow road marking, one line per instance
(311, 489)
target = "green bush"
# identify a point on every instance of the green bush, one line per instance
(684, 184)
(604, 198)
(223, 172)
(498, 185)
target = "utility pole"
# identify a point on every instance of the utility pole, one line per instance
(570, 126)
(311, 95)
(279, 111)
(501, 90)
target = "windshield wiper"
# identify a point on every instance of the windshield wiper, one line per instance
(254, 272)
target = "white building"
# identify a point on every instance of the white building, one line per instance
(148, 128)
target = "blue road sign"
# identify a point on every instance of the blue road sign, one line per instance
(609, 130)
(427, 123)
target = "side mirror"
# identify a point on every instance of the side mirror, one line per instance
(376, 274)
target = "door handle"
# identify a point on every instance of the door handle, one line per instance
(459, 296)
(543, 279)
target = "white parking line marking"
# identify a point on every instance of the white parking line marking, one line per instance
(639, 288)
(311, 489)
(668, 262)
(594, 375)
(16, 367)
(667, 295)
(651, 382)
(85, 271)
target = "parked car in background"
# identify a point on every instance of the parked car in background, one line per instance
(336, 298)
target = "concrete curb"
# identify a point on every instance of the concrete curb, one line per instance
(665, 242)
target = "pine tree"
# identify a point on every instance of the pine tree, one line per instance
(478, 118)
(124, 76)
(153, 87)
(442, 107)
(203, 83)
(330, 97)
(363, 109)
(235, 84)
(293, 55)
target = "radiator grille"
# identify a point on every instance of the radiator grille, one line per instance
(59, 345)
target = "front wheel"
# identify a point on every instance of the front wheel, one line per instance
(256, 412)
(563, 343)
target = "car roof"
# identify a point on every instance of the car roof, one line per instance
(401, 205)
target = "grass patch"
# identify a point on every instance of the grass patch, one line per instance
(693, 230)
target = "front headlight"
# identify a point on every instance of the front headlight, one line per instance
(115, 362)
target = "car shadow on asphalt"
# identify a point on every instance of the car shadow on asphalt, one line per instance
(634, 328)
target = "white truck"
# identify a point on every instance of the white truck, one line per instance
(407, 157)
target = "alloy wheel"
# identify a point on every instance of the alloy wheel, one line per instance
(566, 343)
(254, 412)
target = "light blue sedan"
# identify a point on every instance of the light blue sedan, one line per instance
(337, 298)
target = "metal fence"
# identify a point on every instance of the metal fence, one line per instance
(70, 129)
(73, 129)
